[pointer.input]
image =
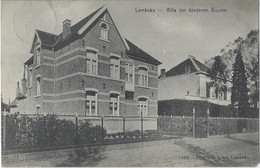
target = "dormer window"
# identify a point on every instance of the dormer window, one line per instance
(104, 31)
(38, 56)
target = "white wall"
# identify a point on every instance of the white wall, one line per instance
(177, 86)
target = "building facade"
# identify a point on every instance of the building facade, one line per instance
(89, 69)
(190, 80)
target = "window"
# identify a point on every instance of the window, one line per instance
(104, 31)
(187, 69)
(38, 86)
(129, 95)
(143, 107)
(91, 103)
(129, 73)
(114, 67)
(91, 62)
(212, 92)
(82, 83)
(30, 78)
(38, 56)
(114, 104)
(143, 76)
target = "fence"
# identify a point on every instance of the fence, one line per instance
(22, 132)
(199, 127)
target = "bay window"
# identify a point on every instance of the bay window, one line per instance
(129, 73)
(143, 76)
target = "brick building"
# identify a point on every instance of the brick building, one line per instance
(88, 69)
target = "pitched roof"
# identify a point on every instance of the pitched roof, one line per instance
(47, 39)
(51, 40)
(29, 61)
(195, 66)
(137, 53)
(76, 27)
(202, 67)
(13, 103)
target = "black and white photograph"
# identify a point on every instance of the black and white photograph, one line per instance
(128, 83)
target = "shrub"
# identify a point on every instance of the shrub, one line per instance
(137, 133)
(89, 134)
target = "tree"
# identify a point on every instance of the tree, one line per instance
(249, 50)
(218, 76)
(239, 90)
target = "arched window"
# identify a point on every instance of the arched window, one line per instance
(143, 106)
(104, 31)
(143, 76)
(114, 104)
(91, 102)
(91, 62)
(114, 67)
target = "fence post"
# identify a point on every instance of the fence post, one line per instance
(208, 123)
(171, 126)
(124, 127)
(193, 122)
(4, 131)
(44, 130)
(102, 125)
(142, 131)
(76, 131)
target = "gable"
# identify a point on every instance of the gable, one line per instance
(36, 39)
(92, 36)
(95, 17)
(180, 69)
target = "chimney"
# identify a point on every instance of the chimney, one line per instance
(23, 83)
(66, 28)
(18, 93)
(163, 73)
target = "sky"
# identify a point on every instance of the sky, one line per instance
(169, 37)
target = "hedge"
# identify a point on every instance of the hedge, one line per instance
(23, 132)
(177, 107)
